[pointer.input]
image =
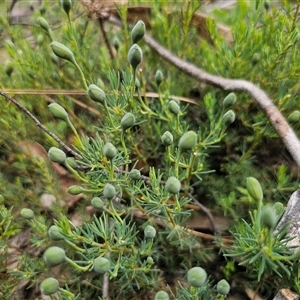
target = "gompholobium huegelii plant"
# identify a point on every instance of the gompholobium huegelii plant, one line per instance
(140, 210)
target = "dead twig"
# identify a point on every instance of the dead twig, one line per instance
(39, 124)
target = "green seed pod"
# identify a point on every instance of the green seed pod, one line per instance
(161, 295)
(109, 150)
(134, 174)
(159, 77)
(173, 185)
(58, 112)
(27, 213)
(57, 155)
(254, 189)
(71, 162)
(228, 117)
(1, 199)
(187, 141)
(75, 190)
(268, 217)
(109, 191)
(54, 233)
(40, 39)
(167, 138)
(229, 100)
(54, 256)
(63, 52)
(116, 43)
(96, 93)
(173, 107)
(49, 286)
(149, 232)
(135, 55)
(8, 68)
(97, 202)
(54, 58)
(127, 121)
(138, 31)
(223, 287)
(294, 116)
(44, 24)
(66, 5)
(196, 276)
(101, 265)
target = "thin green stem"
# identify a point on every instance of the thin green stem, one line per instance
(75, 173)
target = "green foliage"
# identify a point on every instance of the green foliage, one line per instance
(141, 161)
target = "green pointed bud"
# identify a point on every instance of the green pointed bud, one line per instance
(1, 199)
(173, 185)
(54, 233)
(255, 58)
(167, 138)
(229, 100)
(161, 295)
(116, 43)
(268, 217)
(97, 202)
(42, 9)
(101, 265)
(8, 68)
(228, 117)
(71, 162)
(223, 287)
(31, 6)
(54, 256)
(134, 174)
(149, 232)
(27, 213)
(127, 121)
(254, 189)
(159, 77)
(66, 5)
(138, 31)
(63, 52)
(49, 286)
(294, 116)
(44, 24)
(135, 56)
(187, 141)
(40, 40)
(54, 76)
(75, 190)
(96, 93)
(279, 209)
(173, 107)
(196, 276)
(57, 155)
(109, 150)
(150, 260)
(109, 191)
(58, 112)
(54, 58)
